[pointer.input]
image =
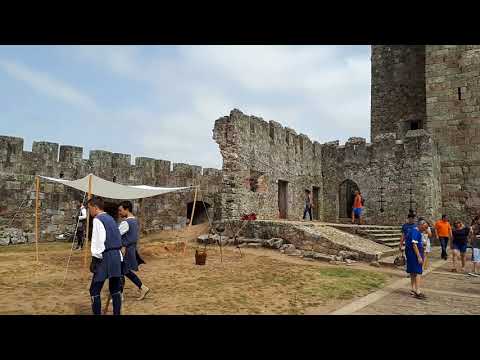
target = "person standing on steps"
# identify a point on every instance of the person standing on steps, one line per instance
(106, 257)
(443, 233)
(414, 255)
(308, 205)
(460, 235)
(357, 208)
(129, 230)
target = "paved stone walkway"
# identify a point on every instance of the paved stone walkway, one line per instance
(447, 293)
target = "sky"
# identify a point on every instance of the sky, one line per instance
(162, 101)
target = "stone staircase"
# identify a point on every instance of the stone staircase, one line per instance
(381, 234)
(388, 235)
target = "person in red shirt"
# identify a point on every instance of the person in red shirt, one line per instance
(357, 208)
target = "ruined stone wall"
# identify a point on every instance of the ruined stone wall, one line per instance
(388, 166)
(18, 169)
(453, 118)
(387, 169)
(398, 88)
(265, 152)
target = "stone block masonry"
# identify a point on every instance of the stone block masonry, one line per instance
(435, 88)
(17, 174)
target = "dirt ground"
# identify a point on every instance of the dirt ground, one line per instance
(260, 281)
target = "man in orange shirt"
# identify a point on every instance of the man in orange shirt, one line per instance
(443, 233)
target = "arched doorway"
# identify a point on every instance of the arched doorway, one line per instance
(345, 198)
(200, 214)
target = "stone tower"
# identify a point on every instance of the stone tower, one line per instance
(435, 88)
(398, 89)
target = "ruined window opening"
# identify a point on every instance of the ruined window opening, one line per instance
(287, 139)
(301, 145)
(200, 214)
(252, 127)
(253, 183)
(114, 178)
(414, 125)
(459, 90)
(272, 133)
(61, 175)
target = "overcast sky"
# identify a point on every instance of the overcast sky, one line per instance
(162, 101)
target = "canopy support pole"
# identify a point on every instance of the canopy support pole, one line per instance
(88, 222)
(193, 207)
(37, 220)
(142, 216)
(191, 217)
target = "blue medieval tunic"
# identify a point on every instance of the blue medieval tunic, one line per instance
(111, 263)
(129, 241)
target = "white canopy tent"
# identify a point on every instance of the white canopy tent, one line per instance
(97, 186)
(94, 185)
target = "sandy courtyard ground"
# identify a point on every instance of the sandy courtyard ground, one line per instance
(259, 282)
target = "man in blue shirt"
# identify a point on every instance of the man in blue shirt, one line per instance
(414, 254)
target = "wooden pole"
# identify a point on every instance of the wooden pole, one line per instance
(141, 217)
(193, 207)
(191, 217)
(37, 219)
(88, 222)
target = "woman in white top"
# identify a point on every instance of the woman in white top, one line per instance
(426, 235)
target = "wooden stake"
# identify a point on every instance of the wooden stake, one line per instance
(88, 222)
(37, 220)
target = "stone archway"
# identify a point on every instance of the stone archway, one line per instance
(345, 198)
(200, 215)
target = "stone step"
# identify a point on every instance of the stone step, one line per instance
(392, 245)
(381, 235)
(387, 240)
(378, 231)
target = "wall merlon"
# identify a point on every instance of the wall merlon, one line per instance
(69, 153)
(121, 160)
(47, 150)
(186, 170)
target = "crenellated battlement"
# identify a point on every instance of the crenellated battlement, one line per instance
(55, 160)
(19, 167)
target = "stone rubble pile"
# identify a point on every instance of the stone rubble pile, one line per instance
(12, 236)
(343, 257)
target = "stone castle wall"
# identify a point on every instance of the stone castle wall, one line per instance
(398, 89)
(453, 118)
(267, 152)
(384, 170)
(18, 169)
(445, 88)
